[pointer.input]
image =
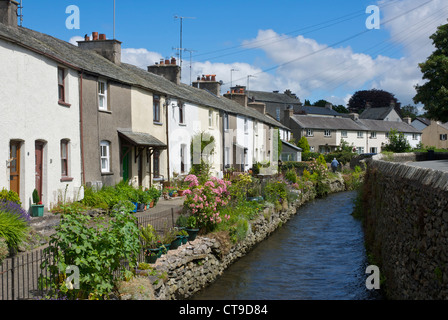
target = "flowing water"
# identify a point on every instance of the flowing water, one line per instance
(317, 255)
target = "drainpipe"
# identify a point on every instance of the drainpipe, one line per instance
(223, 116)
(167, 139)
(81, 128)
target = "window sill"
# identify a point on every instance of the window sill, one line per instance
(183, 124)
(107, 173)
(64, 104)
(105, 111)
(66, 179)
(157, 123)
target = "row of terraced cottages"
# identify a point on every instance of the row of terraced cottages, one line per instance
(74, 116)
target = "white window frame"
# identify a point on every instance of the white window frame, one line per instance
(373, 135)
(373, 150)
(210, 118)
(327, 133)
(102, 96)
(344, 133)
(246, 126)
(309, 132)
(360, 134)
(443, 137)
(226, 121)
(360, 150)
(105, 156)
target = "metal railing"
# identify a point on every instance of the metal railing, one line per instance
(20, 274)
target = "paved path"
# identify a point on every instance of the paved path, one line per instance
(441, 165)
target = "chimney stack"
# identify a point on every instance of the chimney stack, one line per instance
(208, 82)
(168, 69)
(354, 116)
(109, 49)
(238, 94)
(8, 12)
(329, 106)
(408, 120)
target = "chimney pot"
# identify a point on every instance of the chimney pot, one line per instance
(173, 60)
(86, 38)
(167, 61)
(103, 36)
(213, 77)
(161, 61)
(95, 36)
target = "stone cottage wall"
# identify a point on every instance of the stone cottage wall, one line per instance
(406, 228)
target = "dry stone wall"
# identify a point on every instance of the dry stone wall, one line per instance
(406, 228)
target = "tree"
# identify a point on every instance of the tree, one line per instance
(340, 108)
(320, 103)
(307, 102)
(409, 111)
(434, 93)
(376, 98)
(303, 144)
(397, 142)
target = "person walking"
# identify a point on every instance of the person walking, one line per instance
(334, 165)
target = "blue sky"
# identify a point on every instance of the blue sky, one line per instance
(317, 49)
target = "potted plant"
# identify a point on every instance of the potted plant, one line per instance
(155, 194)
(192, 228)
(37, 208)
(183, 234)
(151, 243)
(181, 222)
(168, 238)
(142, 199)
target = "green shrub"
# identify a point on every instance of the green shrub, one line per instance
(275, 192)
(239, 231)
(96, 248)
(308, 156)
(10, 195)
(291, 175)
(13, 228)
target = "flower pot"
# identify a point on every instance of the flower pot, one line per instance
(155, 253)
(37, 210)
(180, 193)
(192, 233)
(151, 205)
(176, 243)
(167, 247)
(184, 239)
(135, 209)
(140, 207)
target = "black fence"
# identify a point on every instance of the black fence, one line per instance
(21, 275)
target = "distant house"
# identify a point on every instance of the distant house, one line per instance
(436, 135)
(384, 113)
(275, 101)
(325, 134)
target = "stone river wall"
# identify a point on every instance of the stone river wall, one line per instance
(405, 222)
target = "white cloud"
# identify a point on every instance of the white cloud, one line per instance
(74, 40)
(140, 57)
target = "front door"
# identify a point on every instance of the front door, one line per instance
(39, 148)
(14, 167)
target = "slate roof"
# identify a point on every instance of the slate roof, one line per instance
(386, 126)
(276, 97)
(425, 121)
(314, 122)
(142, 139)
(319, 111)
(91, 62)
(376, 113)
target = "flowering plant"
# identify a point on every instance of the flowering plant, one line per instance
(205, 202)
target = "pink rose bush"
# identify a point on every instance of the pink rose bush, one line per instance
(206, 201)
